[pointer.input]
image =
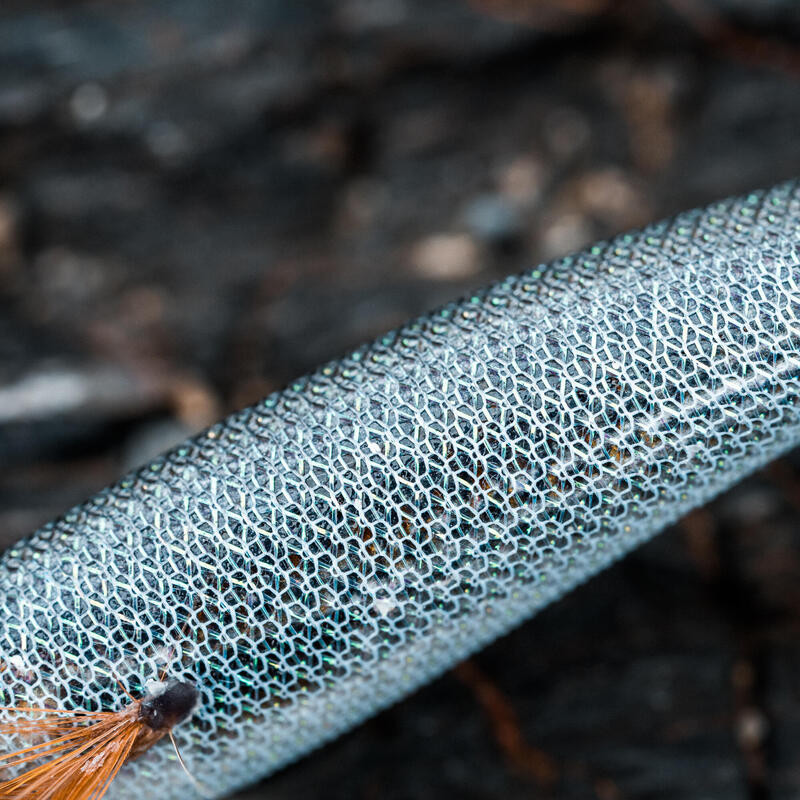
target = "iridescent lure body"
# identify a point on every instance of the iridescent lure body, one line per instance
(313, 558)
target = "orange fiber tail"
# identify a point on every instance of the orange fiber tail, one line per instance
(80, 753)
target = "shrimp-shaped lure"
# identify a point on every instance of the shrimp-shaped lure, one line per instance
(315, 557)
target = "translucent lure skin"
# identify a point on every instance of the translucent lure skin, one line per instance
(314, 558)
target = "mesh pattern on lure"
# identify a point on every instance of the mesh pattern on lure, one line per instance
(349, 538)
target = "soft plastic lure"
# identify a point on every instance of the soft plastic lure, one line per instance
(310, 560)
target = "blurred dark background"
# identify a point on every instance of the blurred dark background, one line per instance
(202, 200)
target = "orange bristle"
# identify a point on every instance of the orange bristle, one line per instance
(85, 750)
(80, 752)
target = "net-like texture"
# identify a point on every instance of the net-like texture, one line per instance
(309, 560)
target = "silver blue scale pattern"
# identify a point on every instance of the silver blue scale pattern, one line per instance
(312, 559)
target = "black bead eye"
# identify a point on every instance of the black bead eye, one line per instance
(154, 718)
(172, 706)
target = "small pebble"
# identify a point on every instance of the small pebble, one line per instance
(167, 141)
(89, 103)
(566, 132)
(751, 728)
(522, 181)
(565, 234)
(195, 404)
(493, 219)
(610, 196)
(446, 256)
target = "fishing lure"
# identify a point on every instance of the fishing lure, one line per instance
(342, 542)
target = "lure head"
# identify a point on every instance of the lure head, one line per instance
(168, 705)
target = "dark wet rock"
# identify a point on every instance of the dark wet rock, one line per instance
(202, 200)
